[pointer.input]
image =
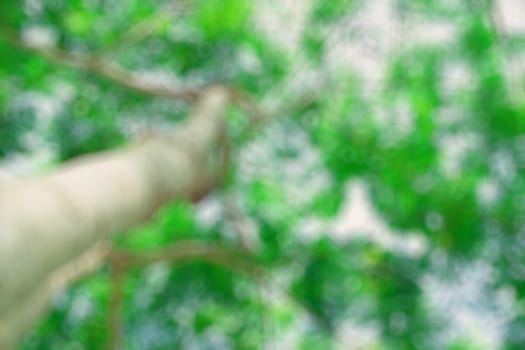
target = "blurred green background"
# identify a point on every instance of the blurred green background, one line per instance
(387, 209)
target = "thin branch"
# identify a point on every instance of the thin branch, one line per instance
(234, 260)
(262, 119)
(112, 71)
(87, 263)
(116, 306)
(115, 73)
(103, 68)
(239, 222)
(187, 251)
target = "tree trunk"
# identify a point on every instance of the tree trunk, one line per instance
(52, 223)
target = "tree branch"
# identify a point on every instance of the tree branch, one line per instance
(235, 260)
(103, 68)
(47, 223)
(112, 71)
(186, 251)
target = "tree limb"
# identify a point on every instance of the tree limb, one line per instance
(46, 223)
(103, 68)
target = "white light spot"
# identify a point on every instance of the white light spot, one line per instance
(38, 36)
(487, 191)
(509, 16)
(358, 219)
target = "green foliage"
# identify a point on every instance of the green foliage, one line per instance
(175, 222)
(11, 13)
(84, 127)
(222, 19)
(478, 37)
(13, 124)
(327, 12)
(461, 199)
(78, 318)
(345, 132)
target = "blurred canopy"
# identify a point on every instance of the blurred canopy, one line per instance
(385, 208)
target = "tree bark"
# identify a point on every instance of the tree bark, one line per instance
(48, 223)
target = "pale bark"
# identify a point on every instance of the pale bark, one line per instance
(47, 223)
